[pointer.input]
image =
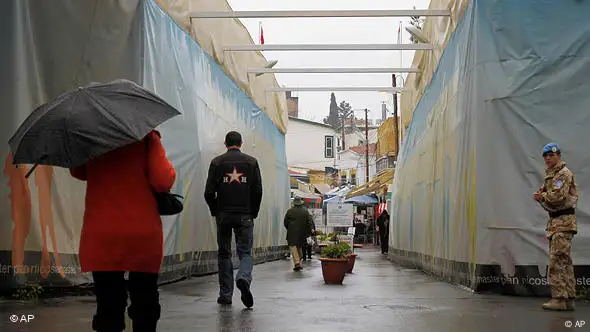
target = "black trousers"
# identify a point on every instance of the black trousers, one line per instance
(307, 250)
(111, 291)
(384, 238)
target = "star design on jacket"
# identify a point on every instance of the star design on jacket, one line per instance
(234, 176)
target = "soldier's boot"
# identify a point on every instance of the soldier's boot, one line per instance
(570, 304)
(556, 305)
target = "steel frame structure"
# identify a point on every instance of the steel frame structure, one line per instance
(328, 47)
(320, 13)
(347, 70)
(388, 89)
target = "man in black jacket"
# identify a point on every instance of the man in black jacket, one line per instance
(383, 224)
(234, 193)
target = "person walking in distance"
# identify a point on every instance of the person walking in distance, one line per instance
(234, 193)
(122, 232)
(558, 196)
(308, 246)
(383, 225)
(299, 224)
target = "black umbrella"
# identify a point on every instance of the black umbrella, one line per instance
(88, 122)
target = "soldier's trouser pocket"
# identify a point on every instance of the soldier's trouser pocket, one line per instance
(561, 271)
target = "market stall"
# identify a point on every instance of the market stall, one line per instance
(349, 220)
(312, 201)
(364, 218)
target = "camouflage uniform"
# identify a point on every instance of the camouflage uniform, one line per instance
(559, 195)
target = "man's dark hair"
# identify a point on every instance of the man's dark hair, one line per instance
(233, 138)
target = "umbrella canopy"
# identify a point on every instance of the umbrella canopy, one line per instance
(87, 122)
(363, 200)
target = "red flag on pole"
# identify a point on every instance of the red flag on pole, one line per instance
(261, 35)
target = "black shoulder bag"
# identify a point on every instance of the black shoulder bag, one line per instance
(168, 204)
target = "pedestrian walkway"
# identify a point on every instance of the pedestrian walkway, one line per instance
(379, 296)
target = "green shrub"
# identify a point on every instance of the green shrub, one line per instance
(583, 293)
(28, 292)
(336, 251)
(327, 237)
(346, 247)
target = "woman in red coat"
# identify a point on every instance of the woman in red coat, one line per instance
(122, 231)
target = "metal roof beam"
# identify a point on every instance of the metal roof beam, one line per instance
(328, 47)
(334, 88)
(320, 13)
(332, 70)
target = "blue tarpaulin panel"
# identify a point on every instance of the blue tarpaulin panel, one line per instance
(50, 47)
(513, 77)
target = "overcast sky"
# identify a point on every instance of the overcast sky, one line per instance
(315, 105)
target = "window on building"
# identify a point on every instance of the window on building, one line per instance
(329, 146)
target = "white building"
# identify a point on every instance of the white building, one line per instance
(357, 137)
(352, 164)
(311, 145)
(354, 135)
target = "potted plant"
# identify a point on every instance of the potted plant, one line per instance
(334, 263)
(351, 256)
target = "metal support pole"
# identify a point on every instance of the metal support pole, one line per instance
(343, 131)
(332, 70)
(367, 144)
(334, 88)
(328, 47)
(320, 13)
(395, 118)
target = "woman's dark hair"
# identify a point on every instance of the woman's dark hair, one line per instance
(233, 138)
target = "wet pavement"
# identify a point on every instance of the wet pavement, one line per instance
(379, 296)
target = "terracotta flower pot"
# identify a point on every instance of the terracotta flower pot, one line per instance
(351, 260)
(334, 270)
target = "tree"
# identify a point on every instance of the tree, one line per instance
(417, 22)
(333, 118)
(344, 111)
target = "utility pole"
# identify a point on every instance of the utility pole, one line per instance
(343, 132)
(367, 144)
(395, 118)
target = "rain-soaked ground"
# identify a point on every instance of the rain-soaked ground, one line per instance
(379, 296)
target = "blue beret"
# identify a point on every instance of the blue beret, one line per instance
(551, 148)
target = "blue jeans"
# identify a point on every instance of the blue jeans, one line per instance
(243, 227)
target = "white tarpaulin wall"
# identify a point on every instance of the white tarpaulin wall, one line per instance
(513, 77)
(51, 47)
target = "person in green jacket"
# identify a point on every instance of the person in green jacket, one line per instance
(299, 225)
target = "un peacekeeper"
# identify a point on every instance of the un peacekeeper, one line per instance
(558, 196)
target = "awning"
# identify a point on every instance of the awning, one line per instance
(334, 199)
(363, 200)
(301, 194)
(305, 187)
(339, 191)
(323, 188)
(383, 179)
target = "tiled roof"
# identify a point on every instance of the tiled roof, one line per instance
(363, 148)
